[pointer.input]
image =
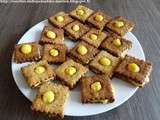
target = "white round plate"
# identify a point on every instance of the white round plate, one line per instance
(74, 107)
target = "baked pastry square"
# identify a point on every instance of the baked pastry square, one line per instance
(120, 25)
(54, 53)
(26, 52)
(60, 19)
(81, 13)
(99, 19)
(51, 99)
(134, 71)
(96, 89)
(52, 35)
(70, 72)
(94, 37)
(83, 52)
(116, 45)
(76, 29)
(104, 63)
(38, 73)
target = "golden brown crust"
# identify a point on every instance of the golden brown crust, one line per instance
(82, 18)
(56, 108)
(70, 81)
(84, 59)
(62, 49)
(96, 43)
(33, 56)
(78, 34)
(33, 79)
(100, 25)
(132, 81)
(98, 68)
(88, 96)
(59, 36)
(139, 77)
(53, 21)
(117, 51)
(120, 31)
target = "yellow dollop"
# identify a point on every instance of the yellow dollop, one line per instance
(75, 28)
(96, 86)
(93, 37)
(119, 24)
(105, 61)
(48, 97)
(26, 49)
(51, 34)
(133, 67)
(40, 69)
(54, 52)
(80, 12)
(116, 42)
(60, 18)
(70, 70)
(98, 18)
(82, 50)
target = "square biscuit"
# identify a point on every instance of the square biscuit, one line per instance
(128, 26)
(58, 38)
(94, 32)
(56, 107)
(21, 57)
(70, 80)
(81, 17)
(97, 67)
(99, 24)
(83, 58)
(60, 24)
(76, 34)
(119, 50)
(38, 73)
(104, 95)
(54, 53)
(136, 78)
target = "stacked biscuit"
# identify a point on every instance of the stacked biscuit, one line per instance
(100, 47)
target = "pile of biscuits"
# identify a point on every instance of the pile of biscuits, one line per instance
(100, 47)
